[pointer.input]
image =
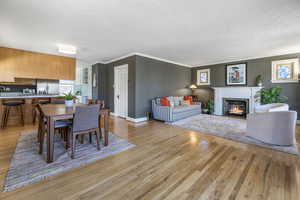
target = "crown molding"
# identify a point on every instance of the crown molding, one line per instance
(193, 66)
(163, 60)
(119, 58)
(146, 56)
(245, 59)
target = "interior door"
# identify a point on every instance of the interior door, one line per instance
(121, 91)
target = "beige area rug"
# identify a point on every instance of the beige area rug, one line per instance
(230, 128)
(27, 166)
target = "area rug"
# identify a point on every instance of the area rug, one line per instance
(27, 166)
(230, 128)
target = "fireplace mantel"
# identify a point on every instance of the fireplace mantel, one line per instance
(235, 92)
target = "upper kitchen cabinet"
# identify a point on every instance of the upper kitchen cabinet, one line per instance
(25, 64)
(7, 69)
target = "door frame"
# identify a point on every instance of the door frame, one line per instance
(116, 111)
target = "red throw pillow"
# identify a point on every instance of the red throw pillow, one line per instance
(188, 98)
(164, 101)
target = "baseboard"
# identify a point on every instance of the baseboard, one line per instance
(112, 113)
(136, 120)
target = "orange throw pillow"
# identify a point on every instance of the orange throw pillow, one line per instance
(164, 102)
(188, 98)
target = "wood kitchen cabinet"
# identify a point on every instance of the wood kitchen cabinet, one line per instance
(7, 70)
(20, 81)
(26, 64)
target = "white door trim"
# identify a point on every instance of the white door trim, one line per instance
(125, 93)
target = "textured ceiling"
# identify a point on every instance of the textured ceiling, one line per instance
(191, 32)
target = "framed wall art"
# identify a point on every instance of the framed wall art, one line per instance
(285, 71)
(236, 74)
(203, 77)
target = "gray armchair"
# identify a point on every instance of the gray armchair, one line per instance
(277, 128)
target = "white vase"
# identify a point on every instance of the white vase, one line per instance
(69, 103)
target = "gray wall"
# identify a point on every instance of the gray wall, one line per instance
(157, 79)
(255, 67)
(148, 78)
(99, 92)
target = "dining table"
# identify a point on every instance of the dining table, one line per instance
(55, 112)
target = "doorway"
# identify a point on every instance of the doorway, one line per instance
(121, 91)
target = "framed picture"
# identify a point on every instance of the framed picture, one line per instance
(203, 77)
(285, 71)
(236, 74)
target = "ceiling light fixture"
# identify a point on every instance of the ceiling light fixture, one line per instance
(66, 49)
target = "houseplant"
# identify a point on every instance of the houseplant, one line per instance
(272, 95)
(210, 106)
(205, 108)
(259, 80)
(69, 98)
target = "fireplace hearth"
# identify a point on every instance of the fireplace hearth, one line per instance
(235, 106)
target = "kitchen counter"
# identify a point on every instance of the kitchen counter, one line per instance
(14, 114)
(28, 96)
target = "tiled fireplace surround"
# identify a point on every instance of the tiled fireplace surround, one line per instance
(234, 92)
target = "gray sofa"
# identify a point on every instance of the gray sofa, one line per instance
(176, 112)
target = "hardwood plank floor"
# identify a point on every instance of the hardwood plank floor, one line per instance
(168, 163)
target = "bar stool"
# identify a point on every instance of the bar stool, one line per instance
(35, 102)
(7, 107)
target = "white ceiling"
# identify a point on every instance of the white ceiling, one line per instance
(192, 32)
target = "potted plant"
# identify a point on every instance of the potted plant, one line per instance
(210, 106)
(259, 81)
(205, 108)
(69, 99)
(272, 95)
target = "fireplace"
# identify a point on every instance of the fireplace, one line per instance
(235, 93)
(235, 106)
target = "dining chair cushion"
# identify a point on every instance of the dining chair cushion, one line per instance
(86, 117)
(62, 123)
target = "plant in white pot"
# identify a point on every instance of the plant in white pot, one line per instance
(259, 80)
(69, 99)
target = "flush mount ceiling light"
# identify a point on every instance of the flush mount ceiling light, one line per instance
(66, 49)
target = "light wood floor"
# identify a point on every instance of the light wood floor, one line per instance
(167, 163)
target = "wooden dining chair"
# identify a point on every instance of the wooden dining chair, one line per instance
(91, 101)
(34, 103)
(101, 103)
(42, 129)
(85, 121)
(102, 106)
